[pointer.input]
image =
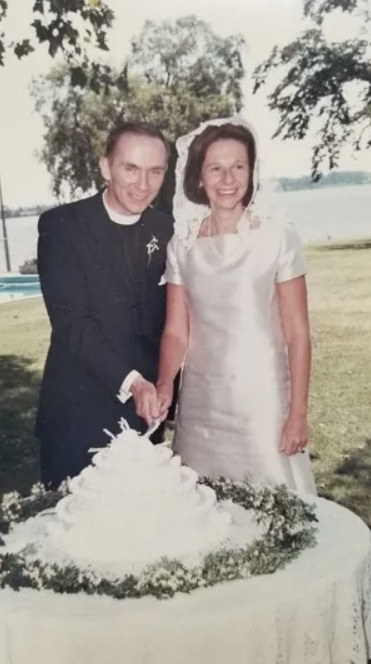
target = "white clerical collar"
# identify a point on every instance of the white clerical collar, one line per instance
(123, 219)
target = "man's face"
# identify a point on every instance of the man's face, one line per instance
(134, 173)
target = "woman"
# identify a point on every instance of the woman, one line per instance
(237, 317)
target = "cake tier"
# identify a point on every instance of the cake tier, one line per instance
(135, 504)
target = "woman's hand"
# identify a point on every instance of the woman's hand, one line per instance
(164, 399)
(294, 435)
(145, 399)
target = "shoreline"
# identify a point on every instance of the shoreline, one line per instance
(347, 242)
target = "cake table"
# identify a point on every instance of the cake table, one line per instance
(315, 611)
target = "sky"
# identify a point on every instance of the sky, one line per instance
(263, 23)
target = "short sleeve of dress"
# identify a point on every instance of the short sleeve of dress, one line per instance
(172, 272)
(291, 261)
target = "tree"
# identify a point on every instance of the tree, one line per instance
(318, 84)
(173, 78)
(75, 121)
(68, 27)
(189, 52)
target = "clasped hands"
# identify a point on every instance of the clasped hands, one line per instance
(151, 402)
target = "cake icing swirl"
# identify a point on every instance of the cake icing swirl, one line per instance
(135, 504)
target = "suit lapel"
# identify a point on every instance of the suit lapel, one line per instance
(106, 246)
(134, 256)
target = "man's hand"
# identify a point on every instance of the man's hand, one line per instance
(294, 435)
(164, 397)
(145, 399)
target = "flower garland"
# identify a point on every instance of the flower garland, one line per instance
(289, 529)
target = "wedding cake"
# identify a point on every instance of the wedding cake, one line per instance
(136, 526)
(133, 506)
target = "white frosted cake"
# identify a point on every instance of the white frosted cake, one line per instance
(137, 504)
(134, 505)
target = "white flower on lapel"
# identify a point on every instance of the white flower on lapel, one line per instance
(152, 246)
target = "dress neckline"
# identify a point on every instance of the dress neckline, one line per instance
(224, 245)
(241, 223)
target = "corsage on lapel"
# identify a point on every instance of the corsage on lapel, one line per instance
(151, 247)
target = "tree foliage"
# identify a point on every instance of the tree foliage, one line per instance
(166, 82)
(317, 88)
(67, 27)
(317, 10)
(189, 53)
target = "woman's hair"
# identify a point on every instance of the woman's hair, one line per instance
(197, 153)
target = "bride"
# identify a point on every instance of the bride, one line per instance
(236, 319)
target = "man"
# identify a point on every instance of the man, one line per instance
(101, 262)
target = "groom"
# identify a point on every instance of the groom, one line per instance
(101, 262)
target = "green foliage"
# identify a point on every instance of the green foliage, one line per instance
(315, 84)
(173, 78)
(289, 529)
(69, 114)
(318, 9)
(29, 266)
(68, 27)
(187, 53)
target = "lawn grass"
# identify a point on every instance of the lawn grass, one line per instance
(339, 284)
(340, 405)
(24, 336)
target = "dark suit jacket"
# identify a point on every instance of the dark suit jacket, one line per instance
(107, 311)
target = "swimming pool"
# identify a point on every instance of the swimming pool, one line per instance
(19, 286)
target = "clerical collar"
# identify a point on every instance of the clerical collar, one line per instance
(123, 219)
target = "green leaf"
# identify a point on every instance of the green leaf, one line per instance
(23, 48)
(78, 77)
(313, 75)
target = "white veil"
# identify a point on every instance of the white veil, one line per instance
(189, 216)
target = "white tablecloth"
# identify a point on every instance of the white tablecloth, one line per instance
(316, 611)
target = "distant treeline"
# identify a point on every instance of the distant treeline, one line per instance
(333, 179)
(32, 211)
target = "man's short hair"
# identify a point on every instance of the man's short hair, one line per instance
(136, 128)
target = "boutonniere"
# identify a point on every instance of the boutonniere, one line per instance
(152, 246)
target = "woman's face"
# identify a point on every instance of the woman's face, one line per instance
(225, 174)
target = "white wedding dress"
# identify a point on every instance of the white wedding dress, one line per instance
(235, 388)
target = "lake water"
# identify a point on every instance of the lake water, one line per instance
(332, 213)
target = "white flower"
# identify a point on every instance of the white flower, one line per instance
(152, 246)
(10, 500)
(38, 489)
